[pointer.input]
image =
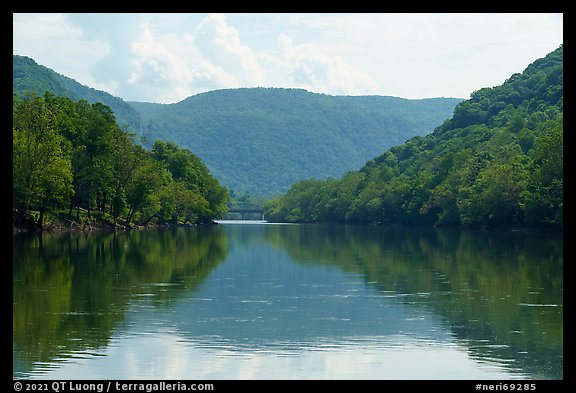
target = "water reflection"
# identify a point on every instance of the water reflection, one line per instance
(288, 301)
(71, 291)
(501, 293)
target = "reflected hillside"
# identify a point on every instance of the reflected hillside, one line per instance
(70, 291)
(500, 293)
(259, 300)
(285, 290)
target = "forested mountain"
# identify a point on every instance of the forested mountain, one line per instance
(497, 162)
(28, 76)
(261, 140)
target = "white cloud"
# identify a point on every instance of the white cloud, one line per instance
(427, 55)
(52, 41)
(159, 74)
(309, 66)
(167, 57)
(213, 56)
(220, 45)
(178, 356)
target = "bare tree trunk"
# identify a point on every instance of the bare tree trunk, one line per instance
(41, 217)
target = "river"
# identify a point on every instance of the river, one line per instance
(271, 301)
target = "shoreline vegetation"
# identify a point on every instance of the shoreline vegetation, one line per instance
(72, 157)
(56, 224)
(61, 223)
(497, 163)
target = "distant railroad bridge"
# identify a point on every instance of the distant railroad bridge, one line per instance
(245, 211)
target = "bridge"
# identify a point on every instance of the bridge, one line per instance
(244, 211)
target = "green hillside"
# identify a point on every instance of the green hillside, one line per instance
(497, 162)
(262, 140)
(258, 140)
(28, 76)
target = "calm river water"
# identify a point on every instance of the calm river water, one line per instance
(270, 301)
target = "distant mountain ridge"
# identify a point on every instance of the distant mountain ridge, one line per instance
(262, 140)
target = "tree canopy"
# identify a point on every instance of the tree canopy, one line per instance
(497, 162)
(73, 154)
(273, 137)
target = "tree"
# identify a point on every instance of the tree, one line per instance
(498, 190)
(200, 189)
(42, 169)
(125, 160)
(544, 199)
(144, 185)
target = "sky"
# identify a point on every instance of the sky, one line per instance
(164, 58)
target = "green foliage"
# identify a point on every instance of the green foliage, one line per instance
(498, 162)
(544, 193)
(74, 153)
(200, 188)
(63, 282)
(42, 168)
(273, 137)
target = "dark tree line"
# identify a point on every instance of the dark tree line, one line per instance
(498, 162)
(73, 156)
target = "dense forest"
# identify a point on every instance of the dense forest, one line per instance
(269, 137)
(497, 163)
(71, 159)
(273, 137)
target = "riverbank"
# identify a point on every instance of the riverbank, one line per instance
(95, 223)
(100, 227)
